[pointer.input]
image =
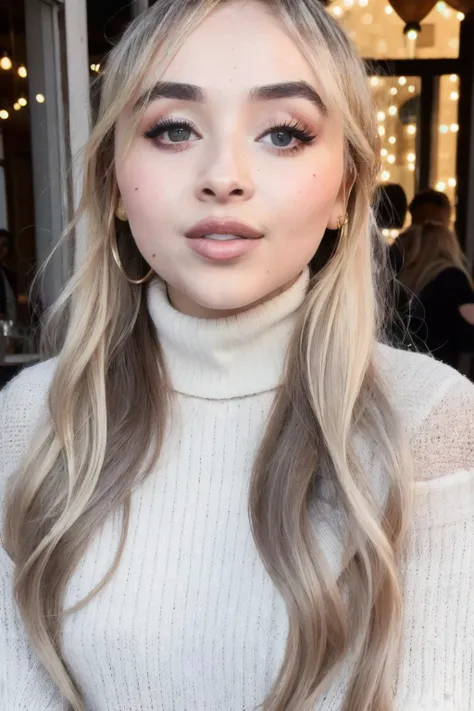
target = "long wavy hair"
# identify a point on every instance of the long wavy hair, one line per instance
(108, 354)
(428, 250)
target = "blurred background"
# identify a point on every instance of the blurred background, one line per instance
(420, 59)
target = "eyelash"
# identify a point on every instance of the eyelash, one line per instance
(295, 128)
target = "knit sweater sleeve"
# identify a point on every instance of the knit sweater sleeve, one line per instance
(437, 655)
(24, 683)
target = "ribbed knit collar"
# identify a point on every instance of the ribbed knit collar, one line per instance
(230, 357)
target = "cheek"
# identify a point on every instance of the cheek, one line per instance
(150, 189)
(305, 200)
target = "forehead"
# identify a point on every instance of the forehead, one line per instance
(237, 46)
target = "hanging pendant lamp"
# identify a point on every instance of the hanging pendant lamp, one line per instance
(412, 12)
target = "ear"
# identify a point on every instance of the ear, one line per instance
(339, 209)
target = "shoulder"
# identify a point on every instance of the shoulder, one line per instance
(436, 406)
(23, 403)
(453, 278)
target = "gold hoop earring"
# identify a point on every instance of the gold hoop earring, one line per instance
(342, 221)
(118, 262)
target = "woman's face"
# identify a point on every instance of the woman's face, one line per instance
(235, 131)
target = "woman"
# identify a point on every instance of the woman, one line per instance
(435, 271)
(210, 486)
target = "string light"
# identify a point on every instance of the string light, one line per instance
(22, 101)
(380, 116)
(452, 182)
(374, 81)
(453, 78)
(4, 114)
(443, 128)
(454, 127)
(22, 72)
(363, 3)
(6, 63)
(388, 10)
(441, 6)
(40, 98)
(412, 35)
(338, 11)
(402, 81)
(411, 157)
(392, 140)
(384, 153)
(411, 167)
(381, 131)
(392, 110)
(461, 16)
(16, 106)
(454, 96)
(391, 159)
(411, 129)
(441, 185)
(348, 3)
(394, 234)
(385, 175)
(393, 91)
(386, 233)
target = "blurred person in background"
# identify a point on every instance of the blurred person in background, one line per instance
(430, 206)
(8, 279)
(406, 325)
(436, 271)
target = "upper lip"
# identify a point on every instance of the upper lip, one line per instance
(222, 226)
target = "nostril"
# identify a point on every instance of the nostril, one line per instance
(238, 191)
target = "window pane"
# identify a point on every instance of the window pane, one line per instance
(377, 30)
(444, 167)
(398, 110)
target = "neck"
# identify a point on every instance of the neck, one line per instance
(235, 356)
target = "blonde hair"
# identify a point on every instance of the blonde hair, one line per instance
(428, 250)
(109, 357)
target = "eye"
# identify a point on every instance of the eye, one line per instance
(170, 132)
(288, 137)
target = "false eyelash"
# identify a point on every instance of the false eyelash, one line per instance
(165, 124)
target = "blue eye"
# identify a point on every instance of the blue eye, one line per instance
(283, 134)
(178, 131)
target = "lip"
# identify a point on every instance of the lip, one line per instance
(222, 226)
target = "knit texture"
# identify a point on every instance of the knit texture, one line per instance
(191, 620)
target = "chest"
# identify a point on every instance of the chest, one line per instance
(190, 618)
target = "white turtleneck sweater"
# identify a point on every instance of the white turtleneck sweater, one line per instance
(191, 621)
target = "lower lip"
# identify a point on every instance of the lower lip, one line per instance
(222, 251)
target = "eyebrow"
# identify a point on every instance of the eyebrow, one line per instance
(269, 92)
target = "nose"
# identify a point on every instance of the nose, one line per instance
(225, 178)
